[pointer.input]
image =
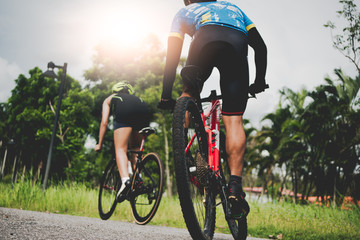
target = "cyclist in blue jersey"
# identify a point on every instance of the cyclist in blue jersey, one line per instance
(221, 33)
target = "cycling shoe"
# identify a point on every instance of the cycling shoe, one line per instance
(123, 191)
(238, 205)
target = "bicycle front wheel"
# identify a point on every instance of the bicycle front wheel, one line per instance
(147, 188)
(197, 204)
(109, 186)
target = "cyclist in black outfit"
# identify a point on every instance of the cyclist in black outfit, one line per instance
(221, 33)
(131, 114)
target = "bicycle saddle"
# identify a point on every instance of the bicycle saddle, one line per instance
(147, 131)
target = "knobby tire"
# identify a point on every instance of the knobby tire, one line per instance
(197, 204)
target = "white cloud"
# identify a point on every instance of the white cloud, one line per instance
(8, 73)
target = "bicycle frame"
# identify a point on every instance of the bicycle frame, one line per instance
(213, 131)
(139, 153)
(211, 121)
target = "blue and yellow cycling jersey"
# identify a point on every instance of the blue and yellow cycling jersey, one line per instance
(189, 19)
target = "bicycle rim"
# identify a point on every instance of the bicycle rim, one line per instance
(197, 204)
(109, 185)
(147, 188)
(238, 228)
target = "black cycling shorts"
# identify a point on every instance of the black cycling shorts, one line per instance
(129, 111)
(226, 49)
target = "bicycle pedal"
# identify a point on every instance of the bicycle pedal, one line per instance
(233, 198)
(238, 210)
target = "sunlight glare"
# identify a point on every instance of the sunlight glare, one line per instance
(124, 28)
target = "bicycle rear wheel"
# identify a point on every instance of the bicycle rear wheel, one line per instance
(197, 204)
(147, 188)
(109, 186)
(238, 228)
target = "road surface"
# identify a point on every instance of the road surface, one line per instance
(21, 224)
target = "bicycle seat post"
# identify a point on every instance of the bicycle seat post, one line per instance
(213, 95)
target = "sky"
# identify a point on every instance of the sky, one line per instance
(300, 51)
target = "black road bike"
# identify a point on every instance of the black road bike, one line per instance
(146, 185)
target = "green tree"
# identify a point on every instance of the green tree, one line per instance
(26, 107)
(348, 41)
(30, 115)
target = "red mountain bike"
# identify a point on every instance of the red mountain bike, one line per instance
(201, 168)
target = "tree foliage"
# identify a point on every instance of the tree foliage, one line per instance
(348, 41)
(30, 113)
(315, 134)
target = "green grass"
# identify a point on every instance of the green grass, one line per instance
(292, 221)
(303, 222)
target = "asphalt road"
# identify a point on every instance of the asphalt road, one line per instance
(21, 224)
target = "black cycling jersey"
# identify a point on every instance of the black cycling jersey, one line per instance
(226, 49)
(129, 111)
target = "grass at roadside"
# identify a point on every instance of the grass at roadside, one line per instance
(292, 221)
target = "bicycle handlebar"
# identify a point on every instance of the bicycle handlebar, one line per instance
(211, 97)
(214, 96)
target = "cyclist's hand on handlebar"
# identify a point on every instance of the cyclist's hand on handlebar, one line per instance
(257, 88)
(166, 104)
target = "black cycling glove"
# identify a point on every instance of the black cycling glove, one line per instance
(257, 88)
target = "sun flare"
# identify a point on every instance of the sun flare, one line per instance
(124, 28)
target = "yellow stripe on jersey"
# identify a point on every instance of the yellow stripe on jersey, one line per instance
(175, 34)
(250, 27)
(206, 17)
(118, 98)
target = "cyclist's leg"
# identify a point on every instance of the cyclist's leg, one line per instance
(235, 149)
(234, 82)
(134, 145)
(121, 140)
(203, 56)
(235, 143)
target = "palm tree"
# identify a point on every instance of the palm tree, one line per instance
(332, 130)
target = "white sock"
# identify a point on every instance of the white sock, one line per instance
(123, 180)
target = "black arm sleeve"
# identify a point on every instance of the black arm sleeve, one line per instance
(257, 43)
(172, 61)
